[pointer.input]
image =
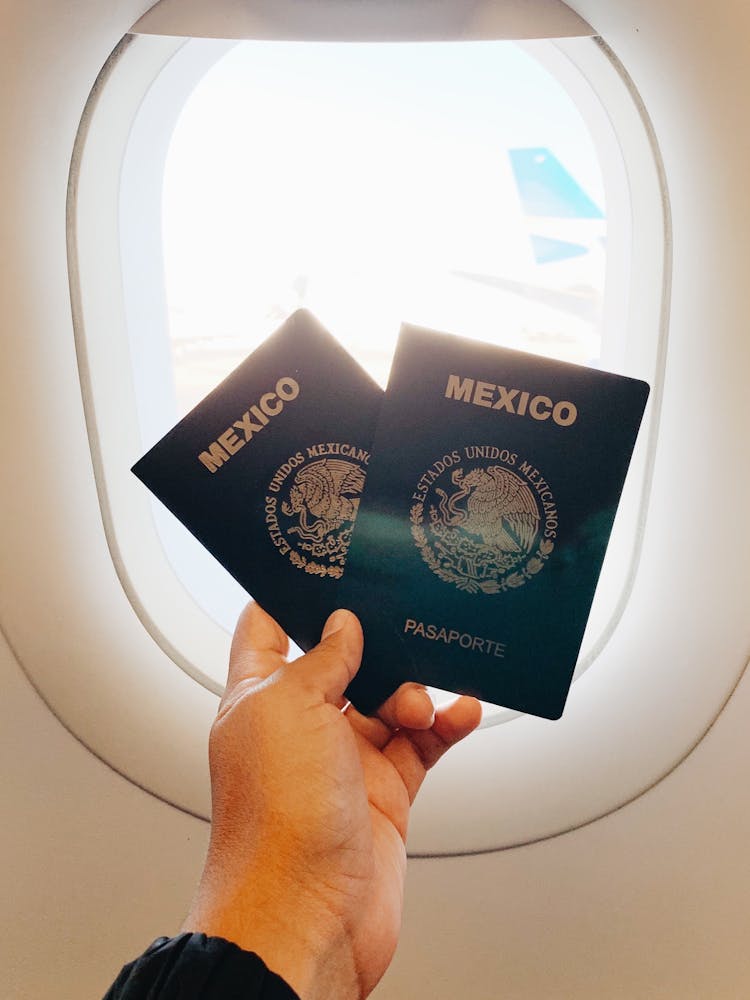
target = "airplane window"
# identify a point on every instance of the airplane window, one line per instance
(510, 191)
(485, 188)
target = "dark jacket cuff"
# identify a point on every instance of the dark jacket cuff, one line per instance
(196, 967)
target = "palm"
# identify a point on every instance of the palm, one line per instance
(377, 930)
(393, 765)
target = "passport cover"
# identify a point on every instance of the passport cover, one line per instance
(490, 499)
(267, 471)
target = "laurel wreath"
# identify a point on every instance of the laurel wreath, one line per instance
(301, 562)
(515, 579)
(331, 547)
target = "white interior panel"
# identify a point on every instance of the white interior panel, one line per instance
(94, 868)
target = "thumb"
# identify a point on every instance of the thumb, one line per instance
(331, 665)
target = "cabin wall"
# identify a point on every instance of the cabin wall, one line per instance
(649, 902)
(93, 868)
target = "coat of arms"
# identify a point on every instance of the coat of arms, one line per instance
(318, 514)
(481, 530)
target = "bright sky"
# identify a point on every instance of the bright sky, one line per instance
(354, 178)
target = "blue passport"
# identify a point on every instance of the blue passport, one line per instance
(490, 498)
(268, 470)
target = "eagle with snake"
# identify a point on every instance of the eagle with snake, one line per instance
(494, 504)
(325, 495)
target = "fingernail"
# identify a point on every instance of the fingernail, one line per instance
(335, 622)
(427, 701)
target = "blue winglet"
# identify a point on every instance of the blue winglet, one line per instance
(547, 189)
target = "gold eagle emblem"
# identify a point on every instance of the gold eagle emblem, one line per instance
(481, 529)
(325, 495)
(312, 524)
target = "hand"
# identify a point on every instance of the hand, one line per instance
(310, 806)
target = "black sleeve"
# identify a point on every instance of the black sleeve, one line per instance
(196, 967)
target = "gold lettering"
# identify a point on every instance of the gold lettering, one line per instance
(214, 457)
(459, 388)
(245, 424)
(516, 401)
(569, 410)
(287, 389)
(483, 394)
(506, 399)
(259, 415)
(265, 404)
(230, 441)
(538, 401)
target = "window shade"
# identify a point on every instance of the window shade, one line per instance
(363, 20)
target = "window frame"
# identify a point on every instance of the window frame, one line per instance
(117, 287)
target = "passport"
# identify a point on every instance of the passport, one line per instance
(267, 471)
(490, 499)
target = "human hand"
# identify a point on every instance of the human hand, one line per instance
(310, 806)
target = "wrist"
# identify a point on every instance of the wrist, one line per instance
(295, 937)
